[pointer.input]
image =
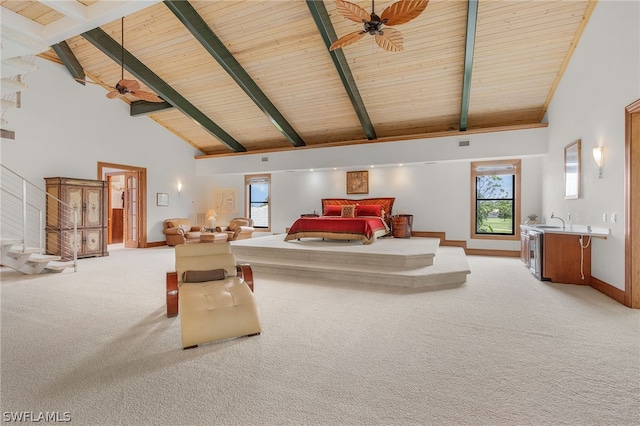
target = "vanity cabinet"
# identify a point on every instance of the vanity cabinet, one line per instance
(555, 256)
(88, 199)
(565, 260)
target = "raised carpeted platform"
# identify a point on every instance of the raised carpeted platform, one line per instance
(411, 263)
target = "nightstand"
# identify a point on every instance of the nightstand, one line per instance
(402, 224)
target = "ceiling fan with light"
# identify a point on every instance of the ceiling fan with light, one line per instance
(387, 38)
(125, 86)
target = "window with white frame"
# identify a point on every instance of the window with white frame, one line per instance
(258, 196)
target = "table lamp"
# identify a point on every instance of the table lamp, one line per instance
(211, 218)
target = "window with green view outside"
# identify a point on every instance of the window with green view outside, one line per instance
(495, 204)
(495, 199)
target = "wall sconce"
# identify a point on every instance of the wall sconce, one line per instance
(597, 155)
(179, 187)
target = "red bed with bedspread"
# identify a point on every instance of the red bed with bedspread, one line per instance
(364, 220)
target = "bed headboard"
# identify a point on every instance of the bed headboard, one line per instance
(387, 203)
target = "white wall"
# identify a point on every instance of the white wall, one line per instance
(65, 129)
(436, 193)
(602, 78)
(484, 145)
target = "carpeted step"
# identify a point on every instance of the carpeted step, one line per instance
(451, 267)
(409, 253)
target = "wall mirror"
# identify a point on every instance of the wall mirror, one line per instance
(572, 170)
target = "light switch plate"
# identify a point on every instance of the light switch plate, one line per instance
(604, 217)
(614, 217)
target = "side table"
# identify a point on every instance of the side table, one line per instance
(402, 225)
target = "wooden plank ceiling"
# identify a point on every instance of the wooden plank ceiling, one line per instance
(520, 51)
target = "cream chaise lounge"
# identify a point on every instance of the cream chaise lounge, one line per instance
(214, 295)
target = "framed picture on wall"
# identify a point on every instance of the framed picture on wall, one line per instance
(358, 182)
(225, 200)
(162, 199)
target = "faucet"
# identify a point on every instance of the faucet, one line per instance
(553, 216)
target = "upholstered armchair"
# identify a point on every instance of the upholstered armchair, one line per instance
(239, 228)
(180, 231)
(212, 294)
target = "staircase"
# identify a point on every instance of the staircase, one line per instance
(12, 84)
(23, 231)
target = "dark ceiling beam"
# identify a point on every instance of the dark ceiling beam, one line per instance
(113, 50)
(203, 33)
(472, 18)
(323, 22)
(70, 61)
(143, 107)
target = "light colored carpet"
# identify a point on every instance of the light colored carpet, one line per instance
(501, 349)
(411, 263)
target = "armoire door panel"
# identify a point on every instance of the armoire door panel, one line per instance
(93, 203)
(74, 198)
(92, 240)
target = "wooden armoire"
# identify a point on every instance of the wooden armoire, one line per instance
(89, 199)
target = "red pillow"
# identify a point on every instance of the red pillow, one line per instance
(370, 210)
(332, 210)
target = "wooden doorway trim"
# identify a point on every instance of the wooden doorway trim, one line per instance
(632, 205)
(142, 188)
(132, 199)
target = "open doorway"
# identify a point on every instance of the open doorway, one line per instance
(127, 207)
(632, 198)
(115, 207)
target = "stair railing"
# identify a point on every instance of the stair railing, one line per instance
(22, 218)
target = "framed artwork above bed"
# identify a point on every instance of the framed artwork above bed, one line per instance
(358, 182)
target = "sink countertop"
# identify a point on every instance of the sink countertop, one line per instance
(570, 229)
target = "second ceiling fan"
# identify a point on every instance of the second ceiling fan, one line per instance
(131, 87)
(387, 38)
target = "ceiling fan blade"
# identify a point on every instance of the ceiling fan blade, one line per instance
(403, 11)
(347, 40)
(113, 95)
(352, 11)
(390, 40)
(147, 96)
(129, 85)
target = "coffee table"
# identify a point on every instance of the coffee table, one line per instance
(213, 237)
